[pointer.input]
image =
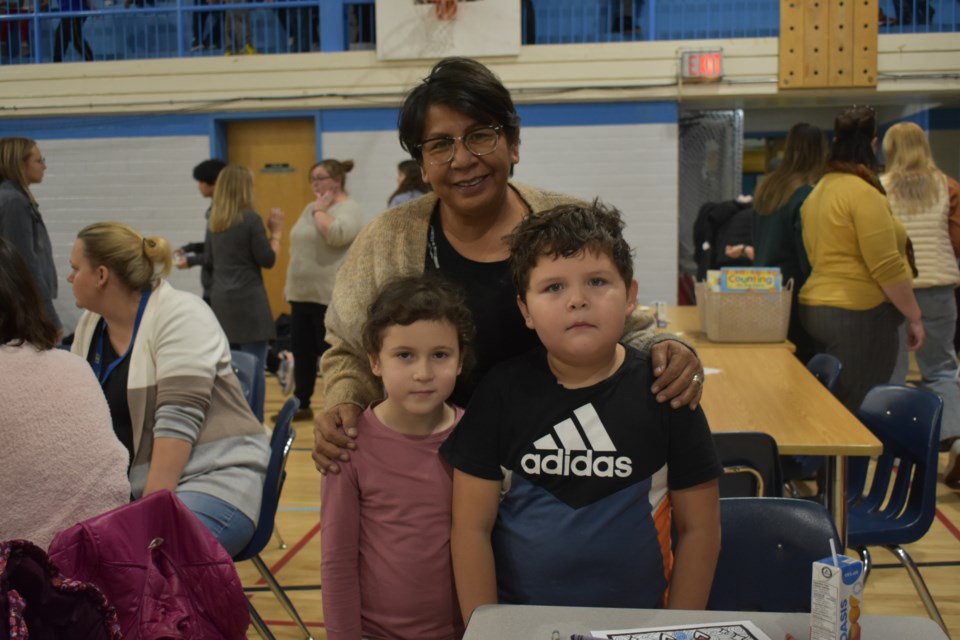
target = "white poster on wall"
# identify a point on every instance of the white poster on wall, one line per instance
(418, 29)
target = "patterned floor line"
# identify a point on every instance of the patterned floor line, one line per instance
(292, 551)
(952, 528)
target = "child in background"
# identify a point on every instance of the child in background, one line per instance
(385, 519)
(591, 470)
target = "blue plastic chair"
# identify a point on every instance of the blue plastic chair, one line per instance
(245, 366)
(825, 368)
(280, 444)
(751, 464)
(900, 503)
(767, 549)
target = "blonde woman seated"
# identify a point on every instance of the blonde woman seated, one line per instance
(164, 365)
(66, 431)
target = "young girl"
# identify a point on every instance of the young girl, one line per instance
(385, 519)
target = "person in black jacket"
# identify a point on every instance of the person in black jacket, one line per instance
(191, 254)
(22, 165)
(720, 225)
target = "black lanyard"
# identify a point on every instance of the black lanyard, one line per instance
(98, 356)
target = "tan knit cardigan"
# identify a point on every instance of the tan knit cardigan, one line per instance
(394, 245)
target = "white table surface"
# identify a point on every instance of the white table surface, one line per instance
(506, 622)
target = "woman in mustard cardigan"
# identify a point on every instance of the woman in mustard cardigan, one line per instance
(860, 287)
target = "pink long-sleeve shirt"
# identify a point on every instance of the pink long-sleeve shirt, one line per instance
(385, 539)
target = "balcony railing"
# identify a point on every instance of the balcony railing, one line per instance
(37, 31)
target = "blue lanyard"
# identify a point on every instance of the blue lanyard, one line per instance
(98, 356)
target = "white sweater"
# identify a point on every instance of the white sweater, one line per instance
(181, 385)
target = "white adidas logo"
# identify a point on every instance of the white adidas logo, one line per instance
(566, 459)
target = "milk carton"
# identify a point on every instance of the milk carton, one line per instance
(835, 599)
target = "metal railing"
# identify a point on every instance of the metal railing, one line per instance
(37, 31)
(72, 30)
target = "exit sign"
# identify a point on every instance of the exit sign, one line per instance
(701, 65)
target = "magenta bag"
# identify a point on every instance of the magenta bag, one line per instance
(165, 573)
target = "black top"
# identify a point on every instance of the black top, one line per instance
(236, 257)
(501, 333)
(115, 387)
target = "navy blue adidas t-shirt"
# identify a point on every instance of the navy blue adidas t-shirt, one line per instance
(584, 518)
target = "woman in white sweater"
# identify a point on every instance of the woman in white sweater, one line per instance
(61, 462)
(164, 365)
(318, 243)
(927, 204)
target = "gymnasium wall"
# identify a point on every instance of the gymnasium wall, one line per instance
(138, 170)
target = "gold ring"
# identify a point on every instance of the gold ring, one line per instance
(697, 378)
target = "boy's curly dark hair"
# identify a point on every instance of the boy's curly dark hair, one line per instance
(406, 300)
(566, 231)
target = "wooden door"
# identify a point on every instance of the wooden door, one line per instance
(280, 154)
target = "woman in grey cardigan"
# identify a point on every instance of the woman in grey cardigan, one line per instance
(236, 250)
(20, 222)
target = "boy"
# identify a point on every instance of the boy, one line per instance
(589, 468)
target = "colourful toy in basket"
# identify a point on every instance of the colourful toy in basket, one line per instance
(750, 279)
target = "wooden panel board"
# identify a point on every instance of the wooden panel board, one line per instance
(828, 43)
(865, 15)
(841, 42)
(791, 44)
(816, 38)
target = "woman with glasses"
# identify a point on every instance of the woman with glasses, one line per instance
(235, 250)
(461, 126)
(860, 287)
(22, 165)
(318, 242)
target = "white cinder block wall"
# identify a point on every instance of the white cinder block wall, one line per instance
(633, 167)
(144, 181)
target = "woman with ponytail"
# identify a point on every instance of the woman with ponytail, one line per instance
(163, 363)
(860, 288)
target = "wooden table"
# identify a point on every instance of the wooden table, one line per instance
(684, 322)
(769, 390)
(541, 623)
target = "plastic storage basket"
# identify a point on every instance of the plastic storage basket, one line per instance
(744, 316)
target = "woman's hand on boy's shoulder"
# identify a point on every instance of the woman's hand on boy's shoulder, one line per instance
(678, 372)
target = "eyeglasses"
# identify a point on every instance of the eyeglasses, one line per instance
(479, 142)
(320, 178)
